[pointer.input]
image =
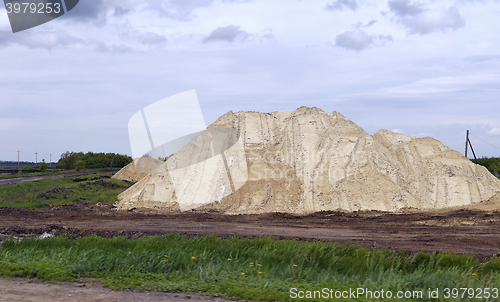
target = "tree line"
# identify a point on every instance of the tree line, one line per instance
(491, 163)
(90, 160)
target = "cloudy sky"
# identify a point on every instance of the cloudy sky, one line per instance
(426, 68)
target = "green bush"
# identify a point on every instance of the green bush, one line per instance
(68, 160)
(491, 163)
(43, 165)
(27, 168)
(80, 164)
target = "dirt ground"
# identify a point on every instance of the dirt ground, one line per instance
(462, 231)
(18, 290)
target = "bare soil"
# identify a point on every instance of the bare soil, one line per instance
(18, 290)
(461, 231)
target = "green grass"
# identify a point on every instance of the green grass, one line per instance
(48, 172)
(61, 191)
(256, 269)
(33, 174)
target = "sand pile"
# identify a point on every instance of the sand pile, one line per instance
(306, 161)
(138, 169)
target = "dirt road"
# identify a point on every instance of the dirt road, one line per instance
(462, 231)
(18, 290)
(21, 179)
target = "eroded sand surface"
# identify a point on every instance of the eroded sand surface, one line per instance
(137, 169)
(310, 160)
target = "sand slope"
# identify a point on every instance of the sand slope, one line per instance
(309, 160)
(138, 169)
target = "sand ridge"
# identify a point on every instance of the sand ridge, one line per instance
(138, 169)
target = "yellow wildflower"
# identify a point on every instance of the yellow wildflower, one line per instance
(193, 257)
(242, 274)
(474, 274)
(260, 273)
(294, 265)
(228, 259)
(259, 265)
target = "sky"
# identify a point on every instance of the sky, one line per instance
(424, 68)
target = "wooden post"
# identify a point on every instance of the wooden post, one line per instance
(466, 142)
(473, 151)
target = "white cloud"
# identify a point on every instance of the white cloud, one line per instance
(418, 19)
(230, 33)
(368, 24)
(494, 131)
(406, 8)
(47, 40)
(183, 10)
(445, 84)
(358, 40)
(342, 4)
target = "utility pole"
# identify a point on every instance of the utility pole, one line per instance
(36, 160)
(18, 159)
(50, 161)
(467, 142)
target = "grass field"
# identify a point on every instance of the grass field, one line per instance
(46, 172)
(62, 191)
(256, 269)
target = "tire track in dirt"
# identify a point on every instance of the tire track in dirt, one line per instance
(462, 231)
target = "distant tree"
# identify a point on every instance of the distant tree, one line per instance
(80, 164)
(68, 160)
(146, 156)
(93, 160)
(43, 165)
(27, 168)
(115, 162)
(125, 160)
(491, 163)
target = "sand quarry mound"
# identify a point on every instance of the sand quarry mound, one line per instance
(138, 169)
(309, 160)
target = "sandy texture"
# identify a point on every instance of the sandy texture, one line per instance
(309, 160)
(138, 169)
(18, 290)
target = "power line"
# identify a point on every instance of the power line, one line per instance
(26, 152)
(486, 142)
(489, 134)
